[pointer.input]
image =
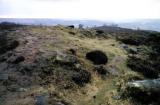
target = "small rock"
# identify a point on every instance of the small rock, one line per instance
(16, 59)
(101, 70)
(132, 50)
(22, 90)
(73, 51)
(124, 46)
(13, 88)
(59, 103)
(65, 59)
(117, 97)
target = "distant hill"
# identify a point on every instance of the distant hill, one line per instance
(152, 24)
(146, 24)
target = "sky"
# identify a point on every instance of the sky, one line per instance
(81, 9)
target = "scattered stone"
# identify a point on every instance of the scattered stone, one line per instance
(97, 57)
(81, 77)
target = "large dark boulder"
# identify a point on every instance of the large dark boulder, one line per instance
(97, 57)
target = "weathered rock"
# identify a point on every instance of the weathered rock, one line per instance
(97, 57)
(82, 77)
(132, 50)
(124, 46)
(146, 85)
(145, 92)
(65, 58)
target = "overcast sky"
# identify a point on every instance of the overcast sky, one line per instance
(81, 9)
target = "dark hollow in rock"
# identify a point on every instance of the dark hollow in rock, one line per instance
(97, 57)
(81, 77)
(99, 31)
(101, 70)
(70, 26)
